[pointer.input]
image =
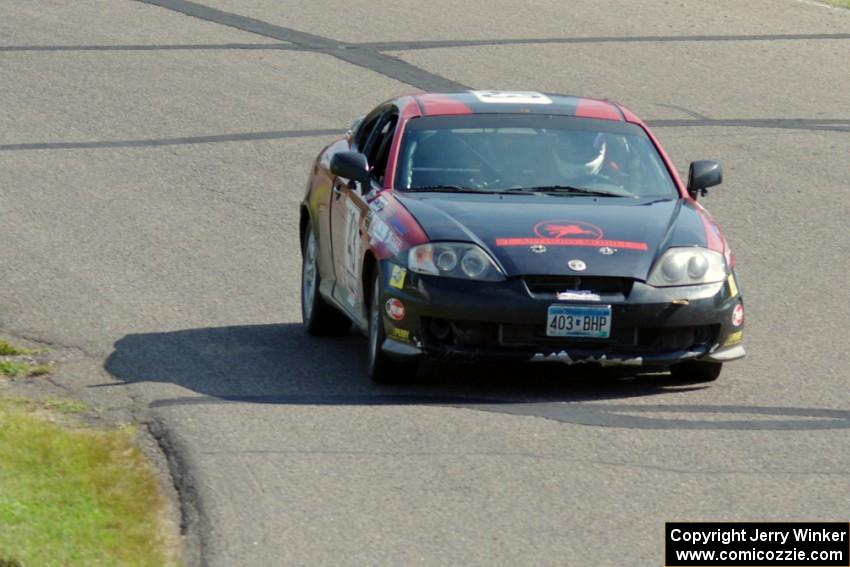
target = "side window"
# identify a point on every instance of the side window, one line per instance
(367, 125)
(379, 149)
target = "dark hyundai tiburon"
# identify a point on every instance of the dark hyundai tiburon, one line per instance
(520, 225)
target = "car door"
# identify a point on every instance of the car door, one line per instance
(349, 208)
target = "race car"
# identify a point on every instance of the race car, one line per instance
(516, 225)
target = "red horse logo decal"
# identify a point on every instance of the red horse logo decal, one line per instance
(563, 230)
(567, 229)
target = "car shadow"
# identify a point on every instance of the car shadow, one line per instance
(281, 364)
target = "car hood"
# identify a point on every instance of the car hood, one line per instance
(541, 234)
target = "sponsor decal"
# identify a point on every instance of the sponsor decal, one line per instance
(572, 233)
(378, 229)
(394, 309)
(623, 244)
(567, 229)
(397, 277)
(351, 251)
(378, 204)
(733, 287)
(385, 231)
(400, 334)
(512, 97)
(734, 338)
(394, 243)
(577, 265)
(738, 315)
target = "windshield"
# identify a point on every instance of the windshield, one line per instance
(508, 153)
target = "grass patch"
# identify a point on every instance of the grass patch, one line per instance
(842, 3)
(75, 496)
(7, 349)
(23, 368)
(65, 406)
(17, 361)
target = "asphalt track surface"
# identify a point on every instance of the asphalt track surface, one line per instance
(152, 156)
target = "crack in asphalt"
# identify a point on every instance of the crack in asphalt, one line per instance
(817, 124)
(184, 140)
(154, 47)
(369, 55)
(177, 473)
(804, 124)
(193, 520)
(246, 23)
(688, 111)
(416, 45)
(450, 43)
(53, 344)
(356, 54)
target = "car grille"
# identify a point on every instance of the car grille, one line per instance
(549, 286)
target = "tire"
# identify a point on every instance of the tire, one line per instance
(695, 371)
(320, 318)
(383, 369)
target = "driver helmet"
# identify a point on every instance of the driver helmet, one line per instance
(580, 153)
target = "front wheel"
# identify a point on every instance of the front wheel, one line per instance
(383, 369)
(320, 318)
(695, 371)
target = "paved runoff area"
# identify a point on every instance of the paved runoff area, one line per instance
(152, 157)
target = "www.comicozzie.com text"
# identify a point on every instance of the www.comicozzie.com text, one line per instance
(744, 534)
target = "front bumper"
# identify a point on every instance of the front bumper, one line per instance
(467, 320)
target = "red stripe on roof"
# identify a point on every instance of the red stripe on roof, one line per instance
(440, 104)
(592, 108)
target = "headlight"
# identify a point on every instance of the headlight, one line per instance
(454, 260)
(688, 266)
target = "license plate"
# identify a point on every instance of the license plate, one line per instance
(577, 321)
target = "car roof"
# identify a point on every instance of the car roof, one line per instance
(518, 102)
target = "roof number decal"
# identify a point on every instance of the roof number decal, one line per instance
(512, 97)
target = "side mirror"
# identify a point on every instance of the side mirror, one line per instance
(703, 174)
(351, 165)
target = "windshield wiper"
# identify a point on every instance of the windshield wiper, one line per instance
(444, 189)
(565, 189)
